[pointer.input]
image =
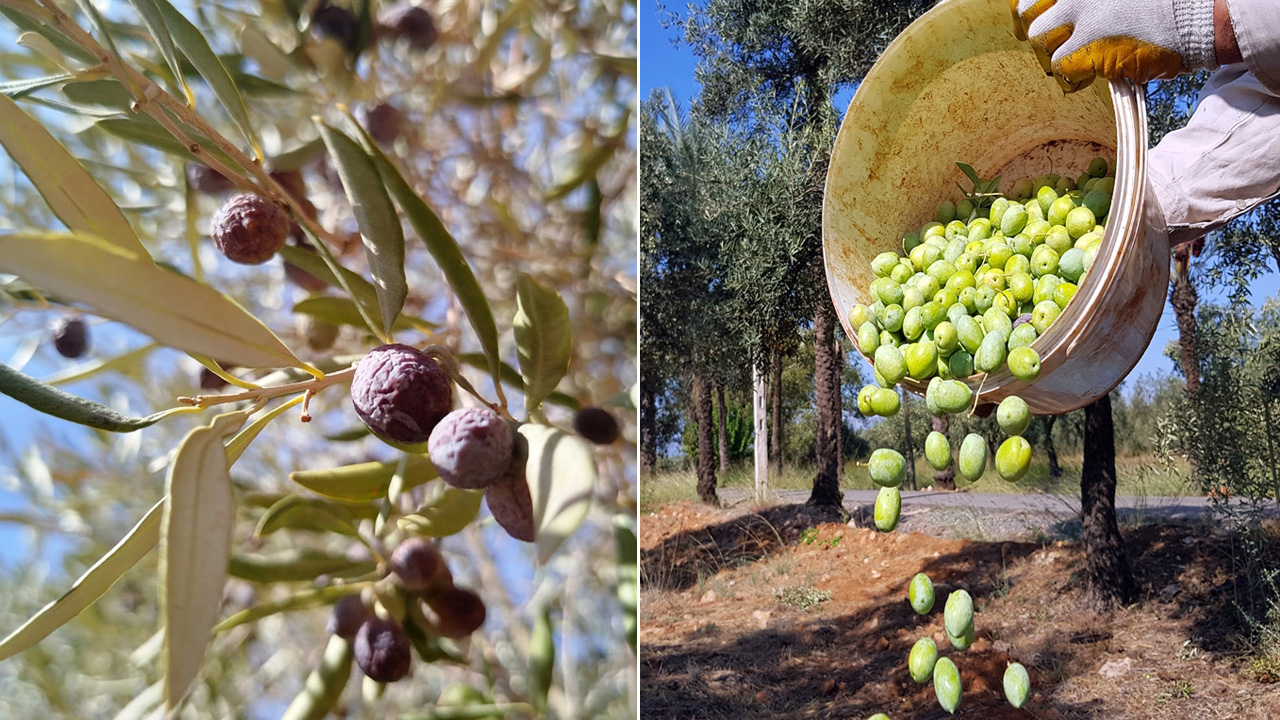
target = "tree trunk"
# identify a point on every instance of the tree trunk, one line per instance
(826, 361)
(775, 401)
(944, 479)
(906, 427)
(706, 440)
(722, 427)
(648, 428)
(1183, 298)
(1108, 579)
(1055, 470)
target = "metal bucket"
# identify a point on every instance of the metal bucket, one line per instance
(957, 85)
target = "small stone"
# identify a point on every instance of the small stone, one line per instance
(708, 597)
(1116, 668)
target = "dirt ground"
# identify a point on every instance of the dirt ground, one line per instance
(718, 642)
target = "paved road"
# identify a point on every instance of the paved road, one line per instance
(1060, 506)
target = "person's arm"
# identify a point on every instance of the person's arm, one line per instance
(1224, 35)
(1224, 162)
(1254, 28)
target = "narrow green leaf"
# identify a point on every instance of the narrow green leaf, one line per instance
(562, 475)
(191, 41)
(297, 157)
(343, 311)
(451, 511)
(444, 249)
(628, 578)
(587, 168)
(96, 18)
(154, 20)
(124, 363)
(238, 444)
(969, 172)
(90, 586)
(195, 545)
(64, 406)
(294, 512)
(471, 712)
(296, 566)
(543, 339)
(325, 684)
(300, 600)
(273, 62)
(255, 87)
(349, 435)
(64, 44)
(104, 93)
(362, 290)
(379, 225)
(145, 130)
(175, 310)
(16, 89)
(542, 659)
(511, 376)
(364, 482)
(72, 193)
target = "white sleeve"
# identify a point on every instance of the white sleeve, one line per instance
(1257, 27)
(1225, 161)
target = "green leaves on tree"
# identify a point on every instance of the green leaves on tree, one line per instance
(543, 339)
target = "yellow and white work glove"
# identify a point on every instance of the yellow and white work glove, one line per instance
(1078, 40)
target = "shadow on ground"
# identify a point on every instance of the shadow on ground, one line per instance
(742, 656)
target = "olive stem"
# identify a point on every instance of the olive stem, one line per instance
(311, 387)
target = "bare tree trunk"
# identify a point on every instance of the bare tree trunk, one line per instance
(906, 427)
(706, 441)
(648, 428)
(1184, 299)
(944, 479)
(826, 361)
(722, 427)
(1055, 470)
(775, 399)
(1108, 579)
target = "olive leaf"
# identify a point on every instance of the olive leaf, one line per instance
(542, 658)
(447, 514)
(300, 600)
(296, 565)
(174, 310)
(72, 193)
(562, 474)
(88, 587)
(16, 89)
(195, 545)
(124, 362)
(376, 215)
(543, 339)
(64, 44)
(628, 576)
(191, 41)
(444, 250)
(343, 311)
(361, 290)
(295, 512)
(364, 481)
(325, 684)
(154, 20)
(142, 129)
(511, 376)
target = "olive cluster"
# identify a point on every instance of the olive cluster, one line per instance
(971, 293)
(382, 644)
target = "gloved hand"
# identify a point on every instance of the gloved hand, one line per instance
(1142, 40)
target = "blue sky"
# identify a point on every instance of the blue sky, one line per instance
(662, 65)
